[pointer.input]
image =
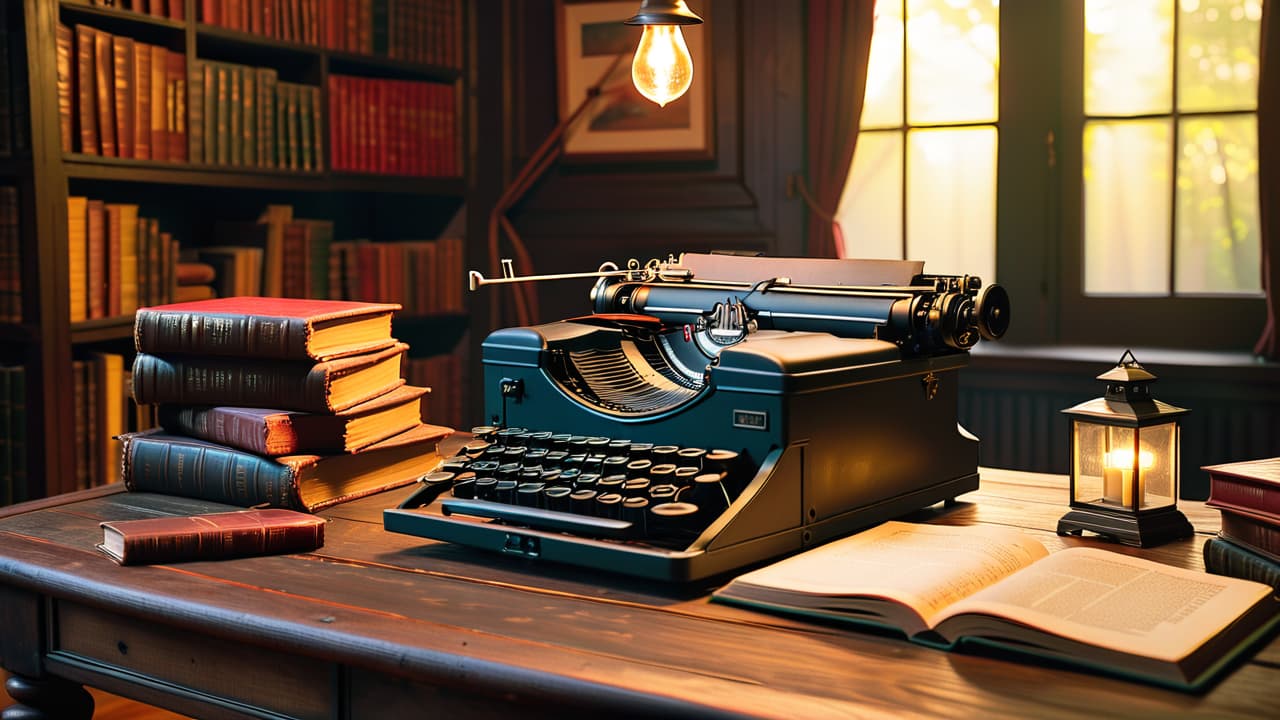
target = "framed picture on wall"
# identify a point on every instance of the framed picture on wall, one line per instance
(621, 125)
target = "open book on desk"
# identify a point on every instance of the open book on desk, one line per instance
(989, 586)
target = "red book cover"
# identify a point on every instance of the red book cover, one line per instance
(176, 8)
(64, 67)
(159, 103)
(214, 536)
(209, 12)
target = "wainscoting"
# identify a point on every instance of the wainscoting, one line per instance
(1012, 398)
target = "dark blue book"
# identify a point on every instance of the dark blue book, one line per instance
(1223, 557)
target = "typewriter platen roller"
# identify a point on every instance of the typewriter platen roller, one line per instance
(716, 412)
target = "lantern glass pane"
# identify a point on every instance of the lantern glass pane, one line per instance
(1119, 468)
(1158, 460)
(1086, 465)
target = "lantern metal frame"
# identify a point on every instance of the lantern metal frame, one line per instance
(1127, 404)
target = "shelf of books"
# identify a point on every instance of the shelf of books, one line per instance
(283, 148)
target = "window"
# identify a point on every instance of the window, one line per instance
(923, 180)
(1170, 147)
(1110, 145)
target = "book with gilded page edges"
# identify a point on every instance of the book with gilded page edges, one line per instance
(1251, 486)
(214, 536)
(320, 387)
(180, 465)
(265, 327)
(272, 432)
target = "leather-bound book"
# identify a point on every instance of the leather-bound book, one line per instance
(215, 536)
(176, 78)
(179, 465)
(64, 67)
(85, 92)
(323, 387)
(123, 93)
(266, 328)
(104, 86)
(97, 259)
(142, 102)
(285, 432)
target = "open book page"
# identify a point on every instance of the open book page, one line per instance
(926, 567)
(1116, 601)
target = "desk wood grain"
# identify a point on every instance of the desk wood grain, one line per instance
(377, 622)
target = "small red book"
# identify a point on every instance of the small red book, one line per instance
(214, 536)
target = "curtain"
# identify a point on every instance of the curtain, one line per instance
(1269, 175)
(839, 43)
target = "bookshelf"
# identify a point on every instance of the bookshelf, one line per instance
(176, 186)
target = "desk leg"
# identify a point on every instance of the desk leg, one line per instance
(46, 699)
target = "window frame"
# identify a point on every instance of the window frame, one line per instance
(1040, 207)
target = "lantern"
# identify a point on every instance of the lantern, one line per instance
(1124, 462)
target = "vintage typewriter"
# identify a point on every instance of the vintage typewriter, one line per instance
(713, 412)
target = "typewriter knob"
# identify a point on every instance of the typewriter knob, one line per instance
(992, 312)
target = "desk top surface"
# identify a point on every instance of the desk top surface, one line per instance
(479, 622)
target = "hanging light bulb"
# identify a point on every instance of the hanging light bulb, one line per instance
(663, 69)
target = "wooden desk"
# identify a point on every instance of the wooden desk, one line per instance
(378, 624)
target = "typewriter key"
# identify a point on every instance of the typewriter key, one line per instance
(540, 440)
(554, 458)
(719, 460)
(550, 476)
(636, 511)
(484, 467)
(514, 453)
(457, 463)
(508, 471)
(578, 444)
(475, 448)
(439, 479)
(529, 474)
(635, 487)
(641, 450)
(556, 497)
(664, 493)
(484, 488)
(619, 447)
(484, 432)
(584, 481)
(638, 468)
(597, 444)
(504, 436)
(691, 456)
(664, 473)
(529, 494)
(569, 477)
(611, 483)
(665, 454)
(594, 463)
(615, 465)
(560, 441)
(575, 460)
(465, 489)
(505, 491)
(710, 493)
(609, 505)
(674, 518)
(583, 502)
(535, 456)
(684, 476)
(493, 452)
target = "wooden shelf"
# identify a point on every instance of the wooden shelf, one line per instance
(102, 330)
(113, 19)
(92, 167)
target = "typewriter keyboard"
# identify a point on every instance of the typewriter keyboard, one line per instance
(596, 486)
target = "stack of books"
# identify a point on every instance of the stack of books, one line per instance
(1248, 545)
(282, 402)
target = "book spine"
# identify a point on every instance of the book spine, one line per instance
(103, 76)
(114, 275)
(235, 109)
(160, 331)
(1222, 557)
(64, 56)
(195, 136)
(122, 91)
(159, 99)
(208, 473)
(203, 540)
(142, 147)
(97, 260)
(85, 92)
(177, 77)
(247, 432)
(188, 381)
(1252, 532)
(1226, 491)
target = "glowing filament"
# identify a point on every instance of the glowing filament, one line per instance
(662, 70)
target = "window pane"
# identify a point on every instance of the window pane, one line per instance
(870, 211)
(1128, 57)
(1218, 54)
(952, 56)
(882, 104)
(951, 201)
(1218, 245)
(1126, 207)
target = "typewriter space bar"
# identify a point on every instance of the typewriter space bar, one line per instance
(539, 518)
